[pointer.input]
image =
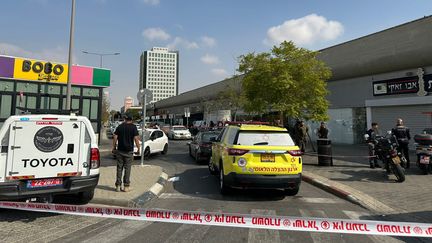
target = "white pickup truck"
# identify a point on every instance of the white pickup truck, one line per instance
(46, 155)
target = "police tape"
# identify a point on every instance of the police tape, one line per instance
(348, 226)
(340, 156)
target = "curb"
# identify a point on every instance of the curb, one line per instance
(333, 190)
(348, 193)
(152, 193)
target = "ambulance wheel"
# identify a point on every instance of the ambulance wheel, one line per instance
(86, 196)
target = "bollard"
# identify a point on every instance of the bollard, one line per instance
(324, 152)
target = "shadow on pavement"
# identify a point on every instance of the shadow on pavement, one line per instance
(199, 183)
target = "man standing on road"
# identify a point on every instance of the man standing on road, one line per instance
(373, 132)
(123, 146)
(403, 136)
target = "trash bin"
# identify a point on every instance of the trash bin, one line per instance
(324, 152)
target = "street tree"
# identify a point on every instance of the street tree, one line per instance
(135, 114)
(288, 79)
(105, 109)
(232, 97)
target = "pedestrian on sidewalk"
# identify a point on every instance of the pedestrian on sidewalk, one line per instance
(403, 136)
(373, 133)
(302, 134)
(322, 131)
(123, 145)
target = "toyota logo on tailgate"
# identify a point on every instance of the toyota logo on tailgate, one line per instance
(48, 139)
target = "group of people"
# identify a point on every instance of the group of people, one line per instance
(402, 134)
(301, 133)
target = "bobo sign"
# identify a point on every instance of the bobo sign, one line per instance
(38, 67)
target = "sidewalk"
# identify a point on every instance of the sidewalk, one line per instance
(147, 182)
(351, 178)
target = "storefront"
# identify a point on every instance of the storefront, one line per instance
(33, 86)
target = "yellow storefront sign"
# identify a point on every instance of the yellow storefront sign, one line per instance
(28, 69)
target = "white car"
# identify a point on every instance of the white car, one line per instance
(179, 132)
(155, 141)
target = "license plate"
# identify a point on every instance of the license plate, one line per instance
(267, 158)
(45, 183)
(396, 160)
(424, 159)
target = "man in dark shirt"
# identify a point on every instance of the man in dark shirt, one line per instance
(123, 146)
(322, 131)
(403, 136)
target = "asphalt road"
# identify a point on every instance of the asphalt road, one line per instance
(191, 188)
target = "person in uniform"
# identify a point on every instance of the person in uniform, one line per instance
(322, 131)
(403, 136)
(302, 133)
(373, 132)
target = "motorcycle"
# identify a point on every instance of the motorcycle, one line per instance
(386, 150)
(424, 152)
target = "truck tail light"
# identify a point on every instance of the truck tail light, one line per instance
(94, 158)
(236, 152)
(295, 152)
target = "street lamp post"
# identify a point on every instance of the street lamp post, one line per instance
(71, 39)
(101, 55)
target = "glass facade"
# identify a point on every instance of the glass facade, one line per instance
(17, 97)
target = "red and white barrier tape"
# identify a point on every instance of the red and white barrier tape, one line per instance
(340, 156)
(366, 227)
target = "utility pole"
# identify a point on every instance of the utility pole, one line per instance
(71, 43)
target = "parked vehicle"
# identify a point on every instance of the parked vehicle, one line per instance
(155, 141)
(47, 155)
(386, 150)
(424, 150)
(179, 132)
(166, 128)
(201, 146)
(256, 156)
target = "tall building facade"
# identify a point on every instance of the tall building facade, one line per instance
(159, 72)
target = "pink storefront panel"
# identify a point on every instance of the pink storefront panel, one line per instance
(82, 75)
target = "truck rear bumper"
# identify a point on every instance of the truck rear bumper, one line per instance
(18, 189)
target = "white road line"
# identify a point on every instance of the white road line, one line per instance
(189, 233)
(320, 237)
(319, 200)
(118, 232)
(316, 200)
(375, 238)
(263, 235)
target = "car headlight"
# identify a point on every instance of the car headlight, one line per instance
(242, 162)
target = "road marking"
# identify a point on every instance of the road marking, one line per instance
(320, 237)
(263, 235)
(174, 179)
(118, 232)
(317, 200)
(189, 233)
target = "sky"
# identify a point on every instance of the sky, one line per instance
(210, 35)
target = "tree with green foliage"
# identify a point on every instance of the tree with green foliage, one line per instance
(135, 114)
(289, 79)
(105, 109)
(232, 97)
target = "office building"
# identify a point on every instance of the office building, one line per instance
(159, 72)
